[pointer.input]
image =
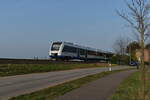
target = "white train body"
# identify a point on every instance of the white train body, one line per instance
(65, 50)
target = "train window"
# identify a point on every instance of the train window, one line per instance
(92, 53)
(56, 46)
(100, 54)
(69, 49)
(82, 52)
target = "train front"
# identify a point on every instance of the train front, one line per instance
(55, 50)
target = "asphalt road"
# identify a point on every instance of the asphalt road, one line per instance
(16, 85)
(101, 89)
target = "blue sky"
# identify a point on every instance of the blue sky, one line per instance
(28, 26)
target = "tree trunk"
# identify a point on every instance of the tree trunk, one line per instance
(142, 69)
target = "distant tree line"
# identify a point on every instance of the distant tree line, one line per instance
(125, 50)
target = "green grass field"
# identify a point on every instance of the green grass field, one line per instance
(53, 92)
(129, 89)
(18, 69)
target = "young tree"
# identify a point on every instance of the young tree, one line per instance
(120, 47)
(139, 19)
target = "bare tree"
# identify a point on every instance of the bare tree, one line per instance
(139, 19)
(120, 45)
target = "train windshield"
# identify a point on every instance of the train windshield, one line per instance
(56, 46)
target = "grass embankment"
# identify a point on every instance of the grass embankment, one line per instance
(18, 69)
(53, 92)
(129, 89)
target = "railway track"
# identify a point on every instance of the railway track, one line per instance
(37, 61)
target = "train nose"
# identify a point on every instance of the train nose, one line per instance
(55, 54)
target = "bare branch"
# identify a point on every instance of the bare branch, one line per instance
(138, 17)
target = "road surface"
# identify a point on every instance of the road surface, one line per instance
(16, 85)
(100, 89)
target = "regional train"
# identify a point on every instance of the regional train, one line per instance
(68, 51)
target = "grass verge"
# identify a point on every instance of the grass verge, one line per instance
(58, 90)
(19, 69)
(129, 88)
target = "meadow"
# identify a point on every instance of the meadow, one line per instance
(19, 69)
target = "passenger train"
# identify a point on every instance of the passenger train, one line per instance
(67, 51)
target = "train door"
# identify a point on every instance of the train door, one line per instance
(78, 53)
(86, 53)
